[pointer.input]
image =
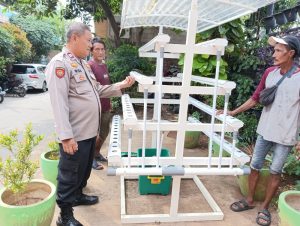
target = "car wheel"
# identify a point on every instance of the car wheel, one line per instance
(1, 98)
(44, 88)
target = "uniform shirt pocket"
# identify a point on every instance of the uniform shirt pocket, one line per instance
(82, 85)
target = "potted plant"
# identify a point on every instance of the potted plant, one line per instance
(49, 162)
(192, 137)
(288, 206)
(23, 201)
(242, 180)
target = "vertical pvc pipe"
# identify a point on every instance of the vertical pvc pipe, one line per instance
(160, 31)
(161, 64)
(144, 126)
(223, 129)
(129, 147)
(234, 141)
(214, 108)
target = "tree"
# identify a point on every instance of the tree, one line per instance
(6, 50)
(6, 43)
(99, 9)
(40, 33)
(21, 45)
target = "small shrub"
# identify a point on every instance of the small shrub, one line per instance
(18, 170)
(247, 134)
(116, 103)
(292, 165)
(53, 147)
(4, 62)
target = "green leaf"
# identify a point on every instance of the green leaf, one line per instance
(205, 56)
(230, 48)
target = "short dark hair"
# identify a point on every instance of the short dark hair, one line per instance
(97, 40)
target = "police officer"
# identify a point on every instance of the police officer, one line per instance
(75, 99)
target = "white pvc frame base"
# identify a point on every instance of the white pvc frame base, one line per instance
(216, 214)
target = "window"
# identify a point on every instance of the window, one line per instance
(41, 69)
(23, 69)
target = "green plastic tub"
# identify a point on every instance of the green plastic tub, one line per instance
(37, 214)
(49, 168)
(154, 184)
(289, 208)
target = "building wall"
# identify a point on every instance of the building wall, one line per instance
(101, 29)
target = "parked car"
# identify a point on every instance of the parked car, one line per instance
(33, 75)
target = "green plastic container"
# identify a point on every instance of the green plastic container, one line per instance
(260, 190)
(216, 151)
(154, 184)
(37, 214)
(289, 214)
(49, 168)
(191, 139)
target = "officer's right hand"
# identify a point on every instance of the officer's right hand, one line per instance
(70, 146)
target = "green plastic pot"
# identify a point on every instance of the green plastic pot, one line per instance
(216, 151)
(38, 214)
(191, 139)
(260, 191)
(288, 214)
(49, 168)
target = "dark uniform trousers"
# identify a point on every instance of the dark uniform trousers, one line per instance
(73, 172)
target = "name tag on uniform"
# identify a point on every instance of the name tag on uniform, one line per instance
(80, 77)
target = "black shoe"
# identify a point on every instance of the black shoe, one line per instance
(71, 221)
(85, 200)
(66, 218)
(101, 158)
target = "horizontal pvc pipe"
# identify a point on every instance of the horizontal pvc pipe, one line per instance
(176, 171)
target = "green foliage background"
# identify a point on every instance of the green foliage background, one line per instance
(40, 33)
(21, 45)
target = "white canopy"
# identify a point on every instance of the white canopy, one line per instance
(174, 13)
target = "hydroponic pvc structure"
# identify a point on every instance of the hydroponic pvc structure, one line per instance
(193, 16)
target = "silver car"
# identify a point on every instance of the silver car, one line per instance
(33, 75)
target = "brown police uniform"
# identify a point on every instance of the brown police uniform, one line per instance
(75, 98)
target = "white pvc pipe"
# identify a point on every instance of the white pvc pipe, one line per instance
(160, 75)
(214, 108)
(144, 126)
(129, 147)
(223, 129)
(186, 172)
(233, 148)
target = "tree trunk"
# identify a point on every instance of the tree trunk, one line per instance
(139, 36)
(112, 21)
